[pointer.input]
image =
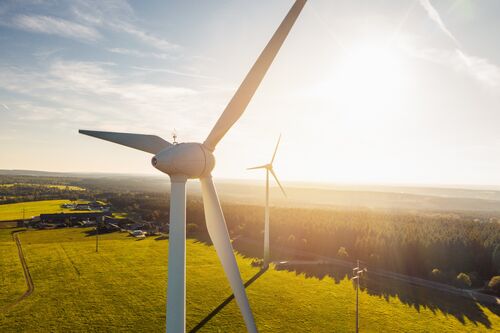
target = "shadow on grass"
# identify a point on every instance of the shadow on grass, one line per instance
(226, 302)
(415, 296)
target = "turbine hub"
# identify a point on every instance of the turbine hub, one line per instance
(189, 159)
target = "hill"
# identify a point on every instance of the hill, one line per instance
(122, 288)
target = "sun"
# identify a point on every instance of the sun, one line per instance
(370, 75)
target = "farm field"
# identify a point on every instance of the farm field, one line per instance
(59, 187)
(11, 273)
(123, 288)
(14, 211)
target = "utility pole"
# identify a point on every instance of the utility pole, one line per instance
(357, 272)
(97, 234)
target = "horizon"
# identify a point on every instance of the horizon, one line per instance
(260, 181)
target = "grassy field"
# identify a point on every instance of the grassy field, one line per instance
(31, 208)
(11, 273)
(123, 287)
(60, 187)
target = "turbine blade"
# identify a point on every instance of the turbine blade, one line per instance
(245, 92)
(258, 167)
(149, 143)
(217, 229)
(277, 181)
(276, 150)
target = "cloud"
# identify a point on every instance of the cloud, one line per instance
(96, 94)
(117, 16)
(143, 36)
(434, 16)
(55, 26)
(479, 68)
(5, 107)
(170, 71)
(140, 54)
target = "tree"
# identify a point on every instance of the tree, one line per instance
(342, 253)
(496, 259)
(494, 284)
(437, 275)
(463, 281)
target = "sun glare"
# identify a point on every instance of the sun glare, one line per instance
(369, 76)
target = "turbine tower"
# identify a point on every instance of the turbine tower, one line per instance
(269, 170)
(191, 160)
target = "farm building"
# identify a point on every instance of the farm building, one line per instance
(70, 218)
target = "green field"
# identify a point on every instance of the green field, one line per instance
(11, 273)
(123, 287)
(59, 187)
(31, 208)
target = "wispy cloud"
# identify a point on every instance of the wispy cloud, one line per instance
(143, 36)
(479, 68)
(55, 26)
(76, 93)
(86, 20)
(140, 54)
(117, 16)
(434, 16)
(174, 72)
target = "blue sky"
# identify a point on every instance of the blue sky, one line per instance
(362, 92)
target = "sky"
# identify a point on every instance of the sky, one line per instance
(384, 92)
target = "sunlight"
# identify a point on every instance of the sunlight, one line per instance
(370, 76)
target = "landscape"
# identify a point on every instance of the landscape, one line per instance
(236, 166)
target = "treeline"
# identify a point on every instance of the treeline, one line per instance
(437, 246)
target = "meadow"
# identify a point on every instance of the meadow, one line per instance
(59, 187)
(15, 211)
(123, 288)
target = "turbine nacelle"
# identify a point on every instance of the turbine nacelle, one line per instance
(189, 159)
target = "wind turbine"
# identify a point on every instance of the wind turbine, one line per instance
(269, 170)
(190, 160)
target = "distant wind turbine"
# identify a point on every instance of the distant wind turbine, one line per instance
(190, 160)
(269, 170)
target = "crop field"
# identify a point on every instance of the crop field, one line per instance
(59, 187)
(31, 208)
(123, 288)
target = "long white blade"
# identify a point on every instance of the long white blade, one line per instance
(217, 229)
(276, 149)
(245, 92)
(277, 181)
(149, 143)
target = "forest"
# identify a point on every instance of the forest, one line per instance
(460, 248)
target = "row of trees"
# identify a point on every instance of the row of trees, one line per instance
(417, 244)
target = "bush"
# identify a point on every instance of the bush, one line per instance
(494, 284)
(342, 253)
(463, 281)
(191, 228)
(437, 275)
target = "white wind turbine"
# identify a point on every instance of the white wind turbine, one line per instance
(191, 160)
(269, 170)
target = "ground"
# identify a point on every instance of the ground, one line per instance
(31, 208)
(123, 287)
